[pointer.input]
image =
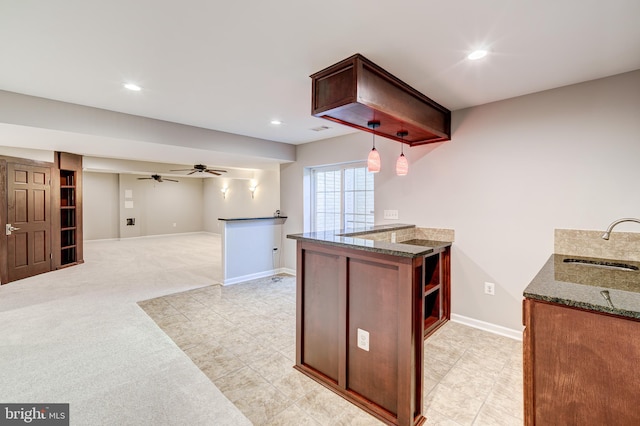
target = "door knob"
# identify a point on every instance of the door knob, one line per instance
(9, 229)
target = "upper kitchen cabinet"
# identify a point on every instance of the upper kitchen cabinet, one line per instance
(67, 210)
(355, 92)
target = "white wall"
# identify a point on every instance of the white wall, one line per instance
(158, 206)
(193, 204)
(250, 249)
(98, 132)
(30, 154)
(238, 201)
(513, 172)
(100, 210)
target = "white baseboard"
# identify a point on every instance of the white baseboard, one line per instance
(100, 240)
(140, 237)
(288, 271)
(176, 234)
(487, 326)
(249, 277)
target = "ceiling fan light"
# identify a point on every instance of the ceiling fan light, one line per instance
(373, 161)
(402, 166)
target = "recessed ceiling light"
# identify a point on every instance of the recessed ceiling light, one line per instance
(276, 122)
(477, 54)
(133, 87)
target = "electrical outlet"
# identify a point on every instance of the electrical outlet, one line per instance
(363, 340)
(490, 289)
(391, 214)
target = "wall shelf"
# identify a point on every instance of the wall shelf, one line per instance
(436, 290)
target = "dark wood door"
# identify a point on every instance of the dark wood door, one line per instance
(29, 209)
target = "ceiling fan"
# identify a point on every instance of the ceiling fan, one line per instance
(158, 178)
(201, 168)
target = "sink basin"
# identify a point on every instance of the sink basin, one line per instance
(603, 264)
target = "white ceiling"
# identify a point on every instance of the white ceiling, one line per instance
(234, 66)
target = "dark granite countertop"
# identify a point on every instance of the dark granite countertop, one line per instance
(581, 286)
(232, 219)
(354, 239)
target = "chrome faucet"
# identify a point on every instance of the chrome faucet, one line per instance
(607, 233)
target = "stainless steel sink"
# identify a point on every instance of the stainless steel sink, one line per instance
(603, 264)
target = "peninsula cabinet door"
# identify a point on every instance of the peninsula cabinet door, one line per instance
(580, 367)
(321, 320)
(29, 214)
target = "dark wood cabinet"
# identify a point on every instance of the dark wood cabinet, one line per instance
(345, 294)
(580, 367)
(67, 220)
(355, 91)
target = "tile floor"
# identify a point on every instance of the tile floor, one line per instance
(243, 338)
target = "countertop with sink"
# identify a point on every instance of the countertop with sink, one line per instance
(581, 317)
(595, 284)
(357, 239)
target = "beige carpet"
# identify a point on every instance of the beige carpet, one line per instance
(78, 336)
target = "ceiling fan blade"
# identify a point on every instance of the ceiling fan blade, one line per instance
(216, 170)
(171, 180)
(144, 178)
(212, 172)
(180, 170)
(191, 172)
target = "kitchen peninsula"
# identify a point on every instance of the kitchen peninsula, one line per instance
(364, 305)
(250, 247)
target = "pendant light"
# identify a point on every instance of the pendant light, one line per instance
(402, 165)
(373, 161)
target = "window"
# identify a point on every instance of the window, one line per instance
(342, 197)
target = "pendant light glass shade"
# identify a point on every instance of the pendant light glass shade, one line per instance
(402, 165)
(373, 161)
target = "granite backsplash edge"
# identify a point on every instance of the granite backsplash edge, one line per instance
(584, 243)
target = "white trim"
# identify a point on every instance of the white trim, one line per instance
(487, 326)
(140, 237)
(162, 235)
(255, 276)
(288, 271)
(101, 239)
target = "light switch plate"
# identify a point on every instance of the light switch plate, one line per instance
(391, 214)
(363, 340)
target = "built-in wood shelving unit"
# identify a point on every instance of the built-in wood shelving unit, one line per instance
(67, 247)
